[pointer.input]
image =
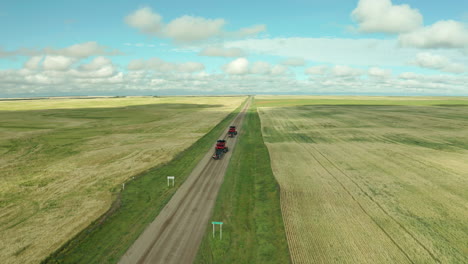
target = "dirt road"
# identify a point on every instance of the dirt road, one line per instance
(175, 235)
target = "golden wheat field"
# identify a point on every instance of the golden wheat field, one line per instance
(371, 183)
(63, 160)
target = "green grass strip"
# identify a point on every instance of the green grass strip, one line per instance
(106, 241)
(249, 205)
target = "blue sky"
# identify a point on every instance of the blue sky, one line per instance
(228, 47)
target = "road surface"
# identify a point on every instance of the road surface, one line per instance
(176, 233)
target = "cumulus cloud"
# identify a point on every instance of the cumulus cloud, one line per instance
(190, 67)
(104, 71)
(96, 63)
(83, 50)
(248, 31)
(190, 29)
(222, 52)
(160, 65)
(145, 20)
(382, 16)
(143, 82)
(339, 51)
(57, 75)
(345, 71)
(80, 50)
(294, 62)
(242, 66)
(33, 63)
(185, 29)
(279, 70)
(237, 67)
(442, 34)
(438, 62)
(317, 70)
(377, 72)
(260, 67)
(57, 63)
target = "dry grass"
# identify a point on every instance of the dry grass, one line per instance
(60, 166)
(372, 184)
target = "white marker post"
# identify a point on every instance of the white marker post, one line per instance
(123, 186)
(170, 178)
(220, 229)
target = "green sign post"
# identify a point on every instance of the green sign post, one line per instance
(220, 229)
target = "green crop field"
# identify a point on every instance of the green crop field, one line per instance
(371, 180)
(63, 160)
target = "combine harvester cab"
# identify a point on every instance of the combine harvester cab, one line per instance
(220, 149)
(232, 131)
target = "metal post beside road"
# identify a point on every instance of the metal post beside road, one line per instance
(220, 229)
(170, 178)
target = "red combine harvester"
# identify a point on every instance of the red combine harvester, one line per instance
(220, 149)
(232, 131)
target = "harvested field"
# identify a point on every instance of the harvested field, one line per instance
(62, 161)
(380, 183)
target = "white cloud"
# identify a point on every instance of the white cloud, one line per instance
(241, 66)
(338, 51)
(57, 63)
(383, 16)
(105, 71)
(294, 62)
(185, 29)
(345, 71)
(279, 70)
(57, 76)
(377, 72)
(438, 62)
(191, 67)
(144, 82)
(248, 31)
(317, 70)
(81, 50)
(222, 52)
(260, 67)
(190, 29)
(408, 75)
(33, 63)
(96, 63)
(141, 45)
(237, 67)
(364, 52)
(135, 65)
(157, 64)
(442, 34)
(145, 20)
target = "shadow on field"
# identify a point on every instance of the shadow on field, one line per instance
(25, 120)
(434, 127)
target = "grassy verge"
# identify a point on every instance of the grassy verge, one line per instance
(107, 239)
(249, 206)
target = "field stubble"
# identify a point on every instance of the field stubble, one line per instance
(61, 167)
(371, 184)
